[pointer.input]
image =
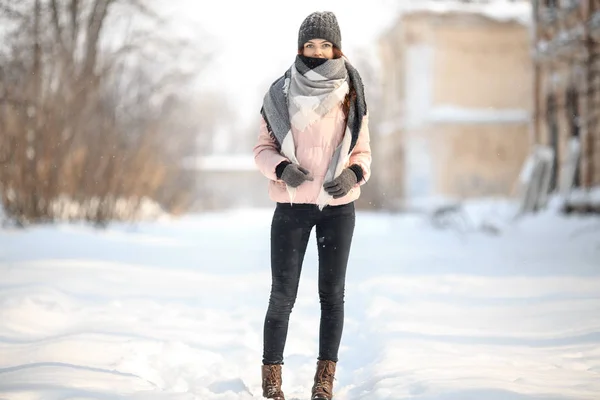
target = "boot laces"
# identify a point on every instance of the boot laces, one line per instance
(272, 382)
(326, 375)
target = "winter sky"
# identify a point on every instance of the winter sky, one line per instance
(255, 41)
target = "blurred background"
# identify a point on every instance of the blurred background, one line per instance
(474, 270)
(109, 107)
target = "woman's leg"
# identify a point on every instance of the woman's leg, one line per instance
(334, 231)
(290, 232)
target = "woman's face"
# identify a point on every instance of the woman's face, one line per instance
(318, 48)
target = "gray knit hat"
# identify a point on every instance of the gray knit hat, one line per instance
(320, 25)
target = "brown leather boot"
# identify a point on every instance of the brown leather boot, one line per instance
(323, 387)
(271, 382)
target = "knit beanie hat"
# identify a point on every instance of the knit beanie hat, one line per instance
(320, 25)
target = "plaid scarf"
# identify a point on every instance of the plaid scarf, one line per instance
(307, 91)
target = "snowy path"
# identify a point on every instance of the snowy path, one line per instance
(174, 310)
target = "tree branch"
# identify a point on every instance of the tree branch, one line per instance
(58, 31)
(11, 12)
(97, 17)
(139, 6)
(74, 13)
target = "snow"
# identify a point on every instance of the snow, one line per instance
(580, 196)
(451, 113)
(222, 162)
(173, 309)
(65, 208)
(500, 10)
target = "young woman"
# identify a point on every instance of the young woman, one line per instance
(314, 148)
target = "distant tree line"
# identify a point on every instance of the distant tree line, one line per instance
(94, 112)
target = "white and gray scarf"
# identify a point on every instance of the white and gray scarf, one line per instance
(307, 91)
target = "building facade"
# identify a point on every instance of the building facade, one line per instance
(458, 100)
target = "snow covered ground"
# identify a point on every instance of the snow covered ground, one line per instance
(174, 310)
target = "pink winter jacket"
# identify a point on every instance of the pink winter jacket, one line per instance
(314, 148)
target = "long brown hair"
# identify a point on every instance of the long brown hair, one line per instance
(351, 96)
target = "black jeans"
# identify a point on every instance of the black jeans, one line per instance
(290, 232)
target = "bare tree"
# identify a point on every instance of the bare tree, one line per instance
(85, 126)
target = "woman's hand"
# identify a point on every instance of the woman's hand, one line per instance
(340, 186)
(294, 175)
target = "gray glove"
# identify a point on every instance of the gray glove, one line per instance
(294, 175)
(340, 186)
